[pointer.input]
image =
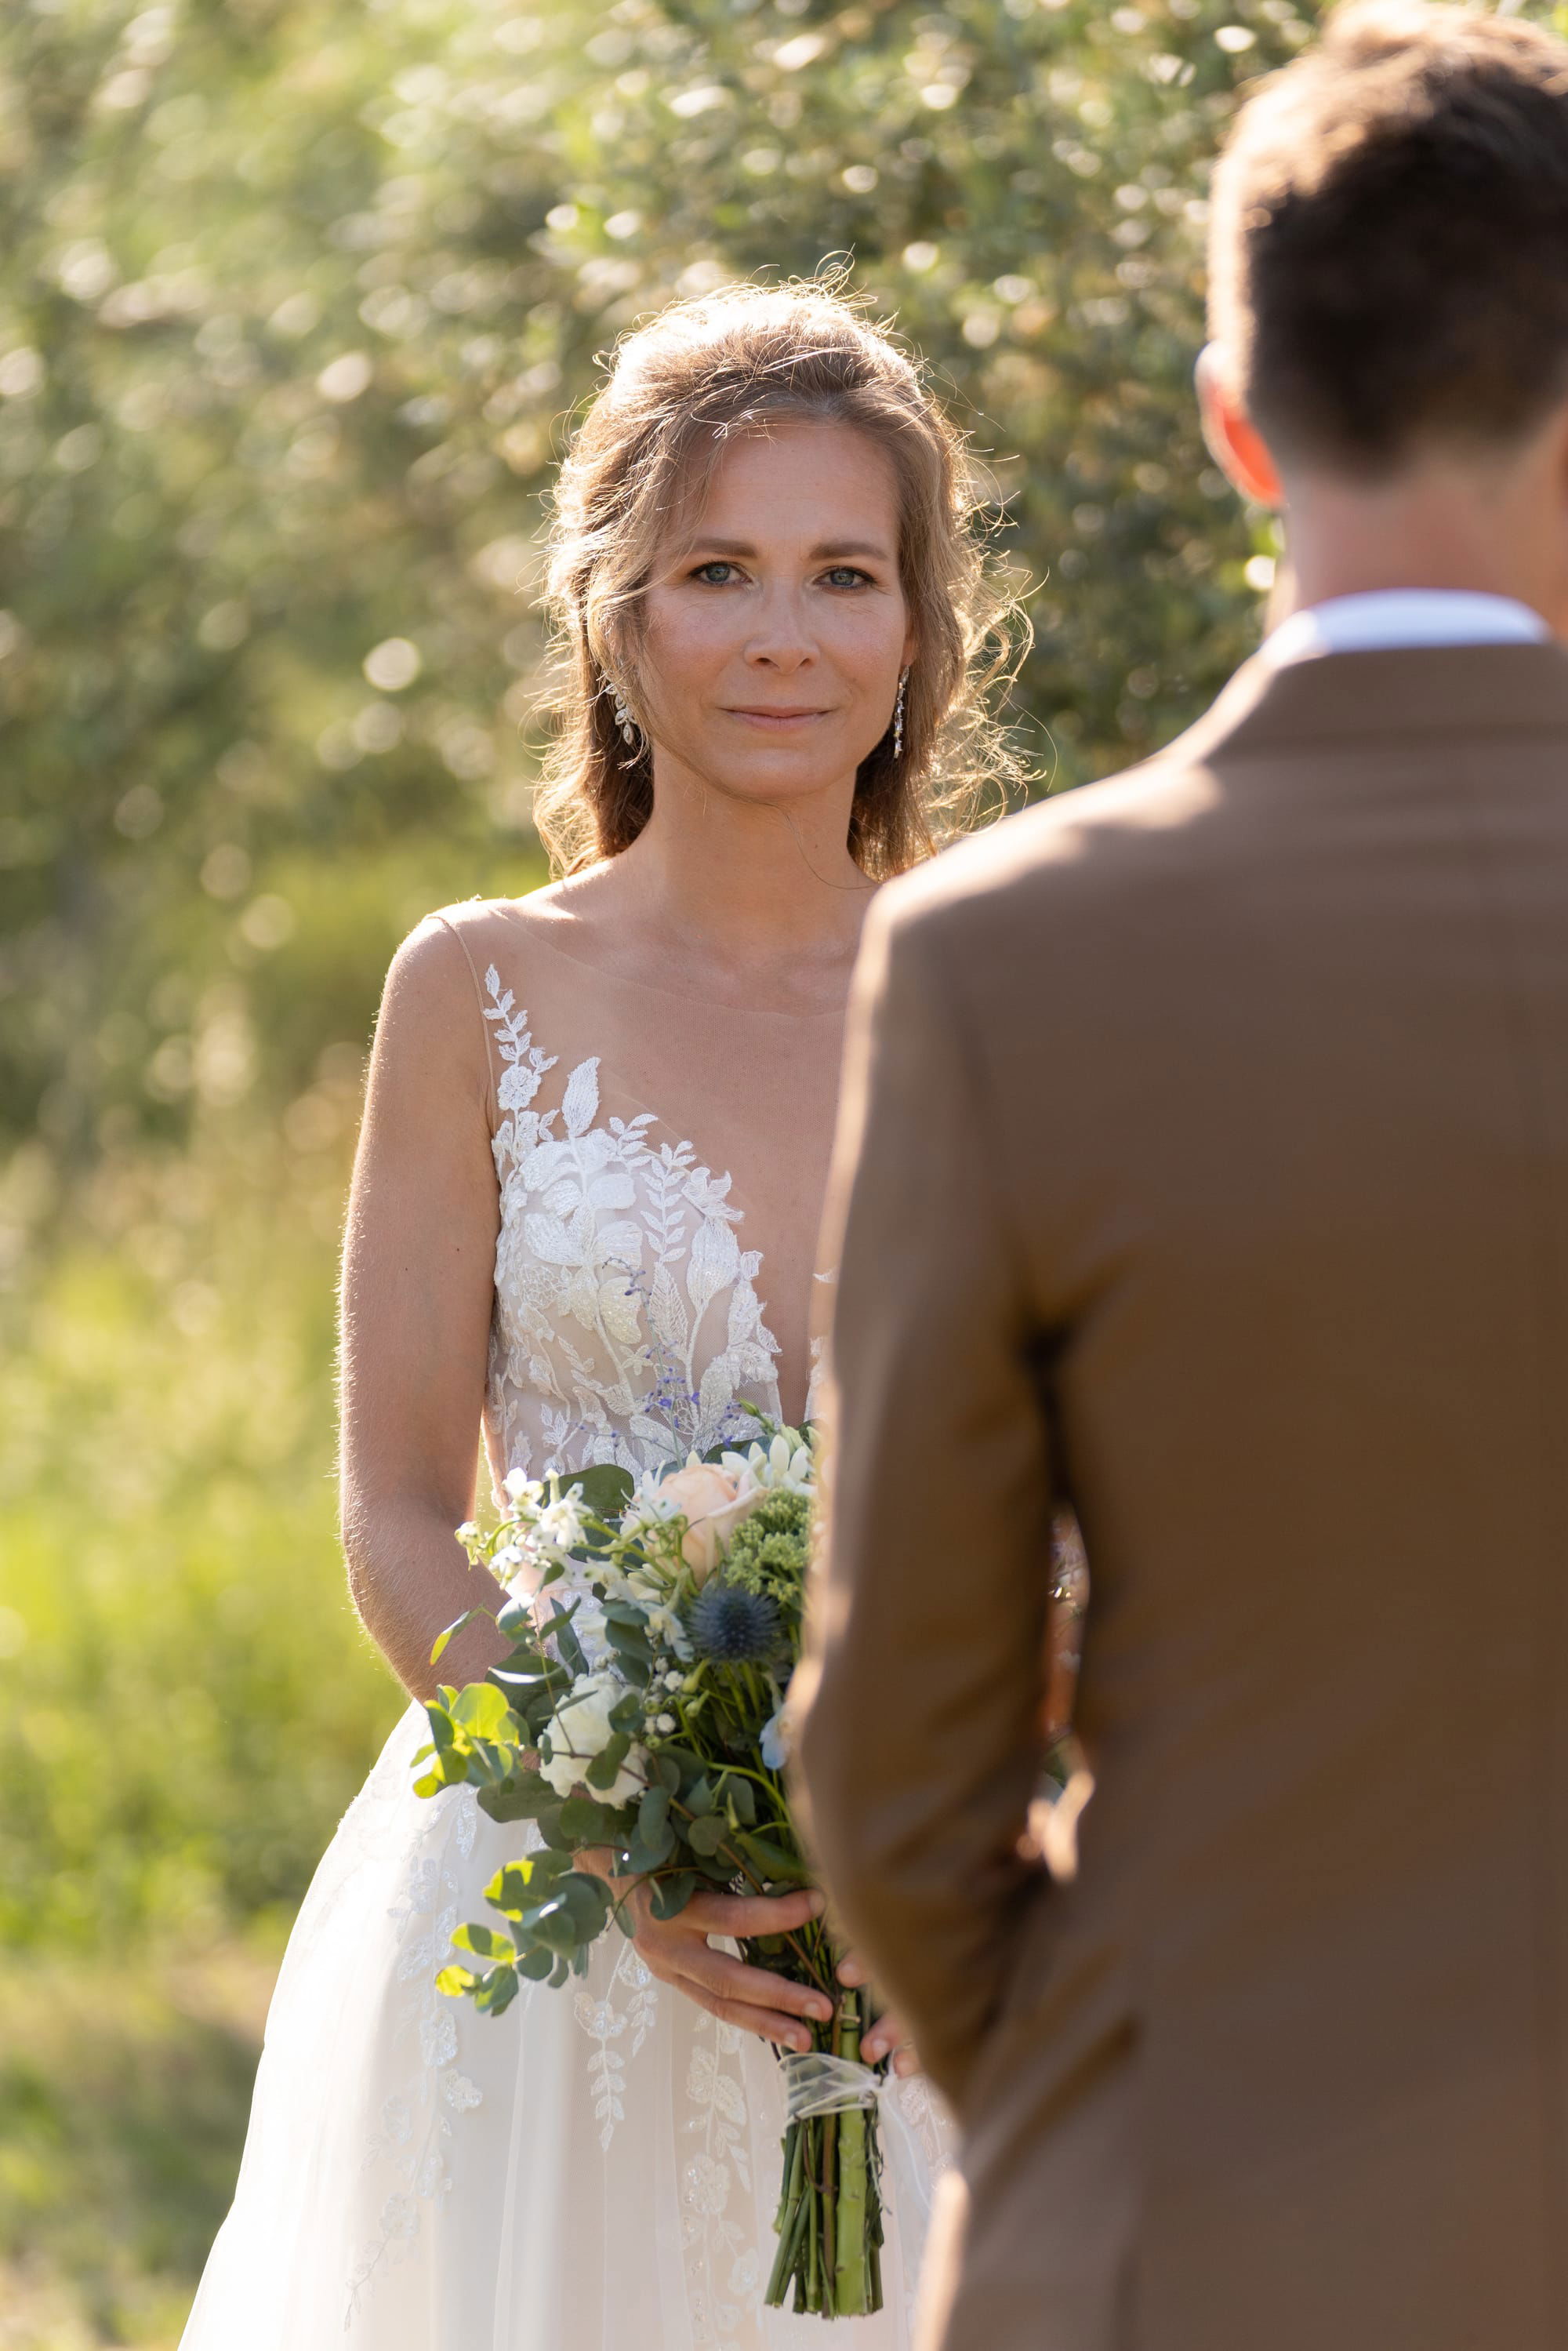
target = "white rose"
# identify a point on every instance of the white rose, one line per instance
(714, 1504)
(580, 1730)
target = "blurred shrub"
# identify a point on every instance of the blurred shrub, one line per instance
(296, 297)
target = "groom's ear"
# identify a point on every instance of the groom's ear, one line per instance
(1236, 446)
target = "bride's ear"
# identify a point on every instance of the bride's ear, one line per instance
(1235, 444)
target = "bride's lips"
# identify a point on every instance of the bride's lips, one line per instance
(777, 722)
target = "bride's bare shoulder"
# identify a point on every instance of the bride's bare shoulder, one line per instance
(569, 914)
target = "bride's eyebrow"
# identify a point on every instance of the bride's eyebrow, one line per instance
(834, 552)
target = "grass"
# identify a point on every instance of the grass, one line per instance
(189, 1703)
(123, 2100)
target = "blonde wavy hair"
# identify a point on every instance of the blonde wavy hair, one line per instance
(741, 360)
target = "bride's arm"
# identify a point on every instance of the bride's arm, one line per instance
(418, 1271)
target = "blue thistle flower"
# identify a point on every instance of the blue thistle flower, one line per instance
(734, 1627)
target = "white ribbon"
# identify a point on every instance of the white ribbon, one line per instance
(816, 2083)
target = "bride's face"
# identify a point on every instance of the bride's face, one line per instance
(775, 630)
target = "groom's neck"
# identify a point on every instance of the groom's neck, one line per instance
(1493, 524)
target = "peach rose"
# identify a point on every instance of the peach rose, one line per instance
(714, 1504)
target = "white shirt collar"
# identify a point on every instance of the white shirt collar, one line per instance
(1387, 617)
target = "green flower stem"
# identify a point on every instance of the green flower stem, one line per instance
(814, 2238)
(852, 2279)
(794, 2211)
(830, 2186)
(791, 2145)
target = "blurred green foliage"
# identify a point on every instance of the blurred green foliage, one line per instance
(297, 297)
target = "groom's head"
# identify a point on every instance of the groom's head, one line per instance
(1389, 248)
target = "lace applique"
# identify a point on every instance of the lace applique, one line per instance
(607, 2024)
(722, 2268)
(627, 1324)
(416, 2120)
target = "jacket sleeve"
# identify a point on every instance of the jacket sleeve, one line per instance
(918, 1702)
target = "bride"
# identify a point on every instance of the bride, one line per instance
(583, 1217)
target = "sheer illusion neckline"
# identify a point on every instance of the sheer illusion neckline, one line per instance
(537, 934)
(612, 1227)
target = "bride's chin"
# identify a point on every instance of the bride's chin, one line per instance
(769, 780)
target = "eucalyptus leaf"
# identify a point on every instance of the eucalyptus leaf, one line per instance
(605, 1488)
(671, 1894)
(519, 1883)
(481, 1709)
(606, 1765)
(739, 1798)
(774, 1863)
(484, 1942)
(521, 1799)
(497, 1991)
(586, 1822)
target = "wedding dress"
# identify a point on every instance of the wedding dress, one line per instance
(597, 2169)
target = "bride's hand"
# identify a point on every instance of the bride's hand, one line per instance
(887, 2036)
(678, 1950)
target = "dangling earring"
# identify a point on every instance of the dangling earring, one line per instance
(898, 714)
(624, 721)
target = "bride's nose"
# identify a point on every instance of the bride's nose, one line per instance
(782, 638)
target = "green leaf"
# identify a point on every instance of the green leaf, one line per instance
(484, 1942)
(772, 1861)
(601, 1772)
(671, 1894)
(653, 1814)
(522, 1798)
(555, 1923)
(469, 1616)
(481, 1709)
(605, 1489)
(497, 1991)
(631, 1649)
(739, 1798)
(454, 1981)
(518, 1884)
(568, 1646)
(588, 1899)
(536, 1964)
(706, 1835)
(586, 1822)
(644, 1854)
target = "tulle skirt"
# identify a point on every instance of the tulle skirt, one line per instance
(597, 2169)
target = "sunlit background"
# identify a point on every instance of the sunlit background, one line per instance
(297, 298)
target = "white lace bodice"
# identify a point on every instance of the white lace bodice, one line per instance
(627, 1323)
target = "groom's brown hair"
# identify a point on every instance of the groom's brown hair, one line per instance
(1389, 262)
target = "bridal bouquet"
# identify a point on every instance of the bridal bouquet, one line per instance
(639, 1720)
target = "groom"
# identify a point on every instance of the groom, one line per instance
(1205, 1164)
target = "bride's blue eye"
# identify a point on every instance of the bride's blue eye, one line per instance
(706, 571)
(844, 575)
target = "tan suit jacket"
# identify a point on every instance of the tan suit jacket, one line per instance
(1205, 1163)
